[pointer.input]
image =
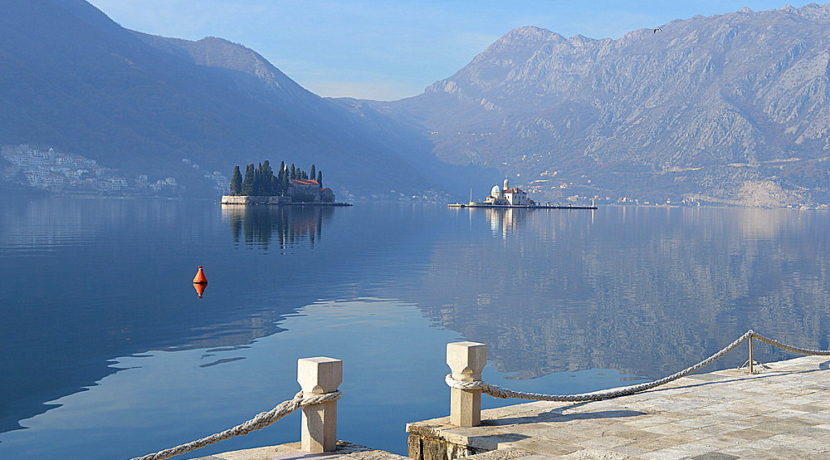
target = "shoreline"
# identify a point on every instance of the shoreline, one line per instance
(518, 206)
(255, 200)
(299, 203)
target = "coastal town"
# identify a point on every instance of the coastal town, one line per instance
(51, 170)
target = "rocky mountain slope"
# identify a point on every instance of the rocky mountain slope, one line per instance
(176, 115)
(726, 109)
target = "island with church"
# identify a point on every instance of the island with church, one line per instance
(289, 186)
(506, 197)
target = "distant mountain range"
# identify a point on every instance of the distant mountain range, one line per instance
(729, 109)
(151, 108)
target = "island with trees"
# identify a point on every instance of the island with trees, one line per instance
(258, 185)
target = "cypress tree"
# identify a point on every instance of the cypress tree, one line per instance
(258, 180)
(267, 179)
(280, 189)
(320, 178)
(274, 185)
(284, 183)
(293, 171)
(313, 173)
(248, 180)
(236, 181)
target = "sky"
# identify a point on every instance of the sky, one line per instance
(388, 50)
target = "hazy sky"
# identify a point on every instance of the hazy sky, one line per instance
(393, 49)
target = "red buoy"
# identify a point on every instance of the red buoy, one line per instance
(200, 281)
(200, 277)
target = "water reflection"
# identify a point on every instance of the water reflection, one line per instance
(258, 225)
(644, 291)
(59, 340)
(502, 221)
(200, 289)
(38, 229)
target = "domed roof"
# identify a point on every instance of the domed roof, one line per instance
(495, 191)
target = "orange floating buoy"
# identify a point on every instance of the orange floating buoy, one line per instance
(200, 289)
(200, 277)
(200, 281)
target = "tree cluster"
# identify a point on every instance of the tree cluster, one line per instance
(261, 181)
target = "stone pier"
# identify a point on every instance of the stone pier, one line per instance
(293, 451)
(782, 411)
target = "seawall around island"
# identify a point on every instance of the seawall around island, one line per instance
(246, 200)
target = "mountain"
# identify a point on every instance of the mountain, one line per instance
(728, 109)
(126, 110)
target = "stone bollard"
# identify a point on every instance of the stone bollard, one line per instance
(466, 361)
(319, 426)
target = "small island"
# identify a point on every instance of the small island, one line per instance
(290, 186)
(506, 197)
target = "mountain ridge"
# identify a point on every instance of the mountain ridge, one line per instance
(724, 109)
(183, 112)
(708, 109)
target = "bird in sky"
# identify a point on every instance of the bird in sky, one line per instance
(656, 29)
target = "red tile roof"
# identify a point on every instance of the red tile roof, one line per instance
(305, 181)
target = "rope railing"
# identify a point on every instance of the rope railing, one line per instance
(790, 348)
(465, 356)
(319, 378)
(466, 359)
(503, 393)
(258, 422)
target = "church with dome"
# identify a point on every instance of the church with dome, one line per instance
(506, 196)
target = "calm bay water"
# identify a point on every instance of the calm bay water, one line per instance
(107, 352)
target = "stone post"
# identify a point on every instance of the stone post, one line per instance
(319, 426)
(466, 361)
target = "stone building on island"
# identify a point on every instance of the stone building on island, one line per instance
(506, 196)
(308, 190)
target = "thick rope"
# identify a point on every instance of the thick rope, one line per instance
(790, 348)
(503, 393)
(259, 421)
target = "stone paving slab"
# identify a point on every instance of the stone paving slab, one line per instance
(291, 451)
(781, 412)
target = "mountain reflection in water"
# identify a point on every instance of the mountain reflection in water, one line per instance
(643, 291)
(646, 291)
